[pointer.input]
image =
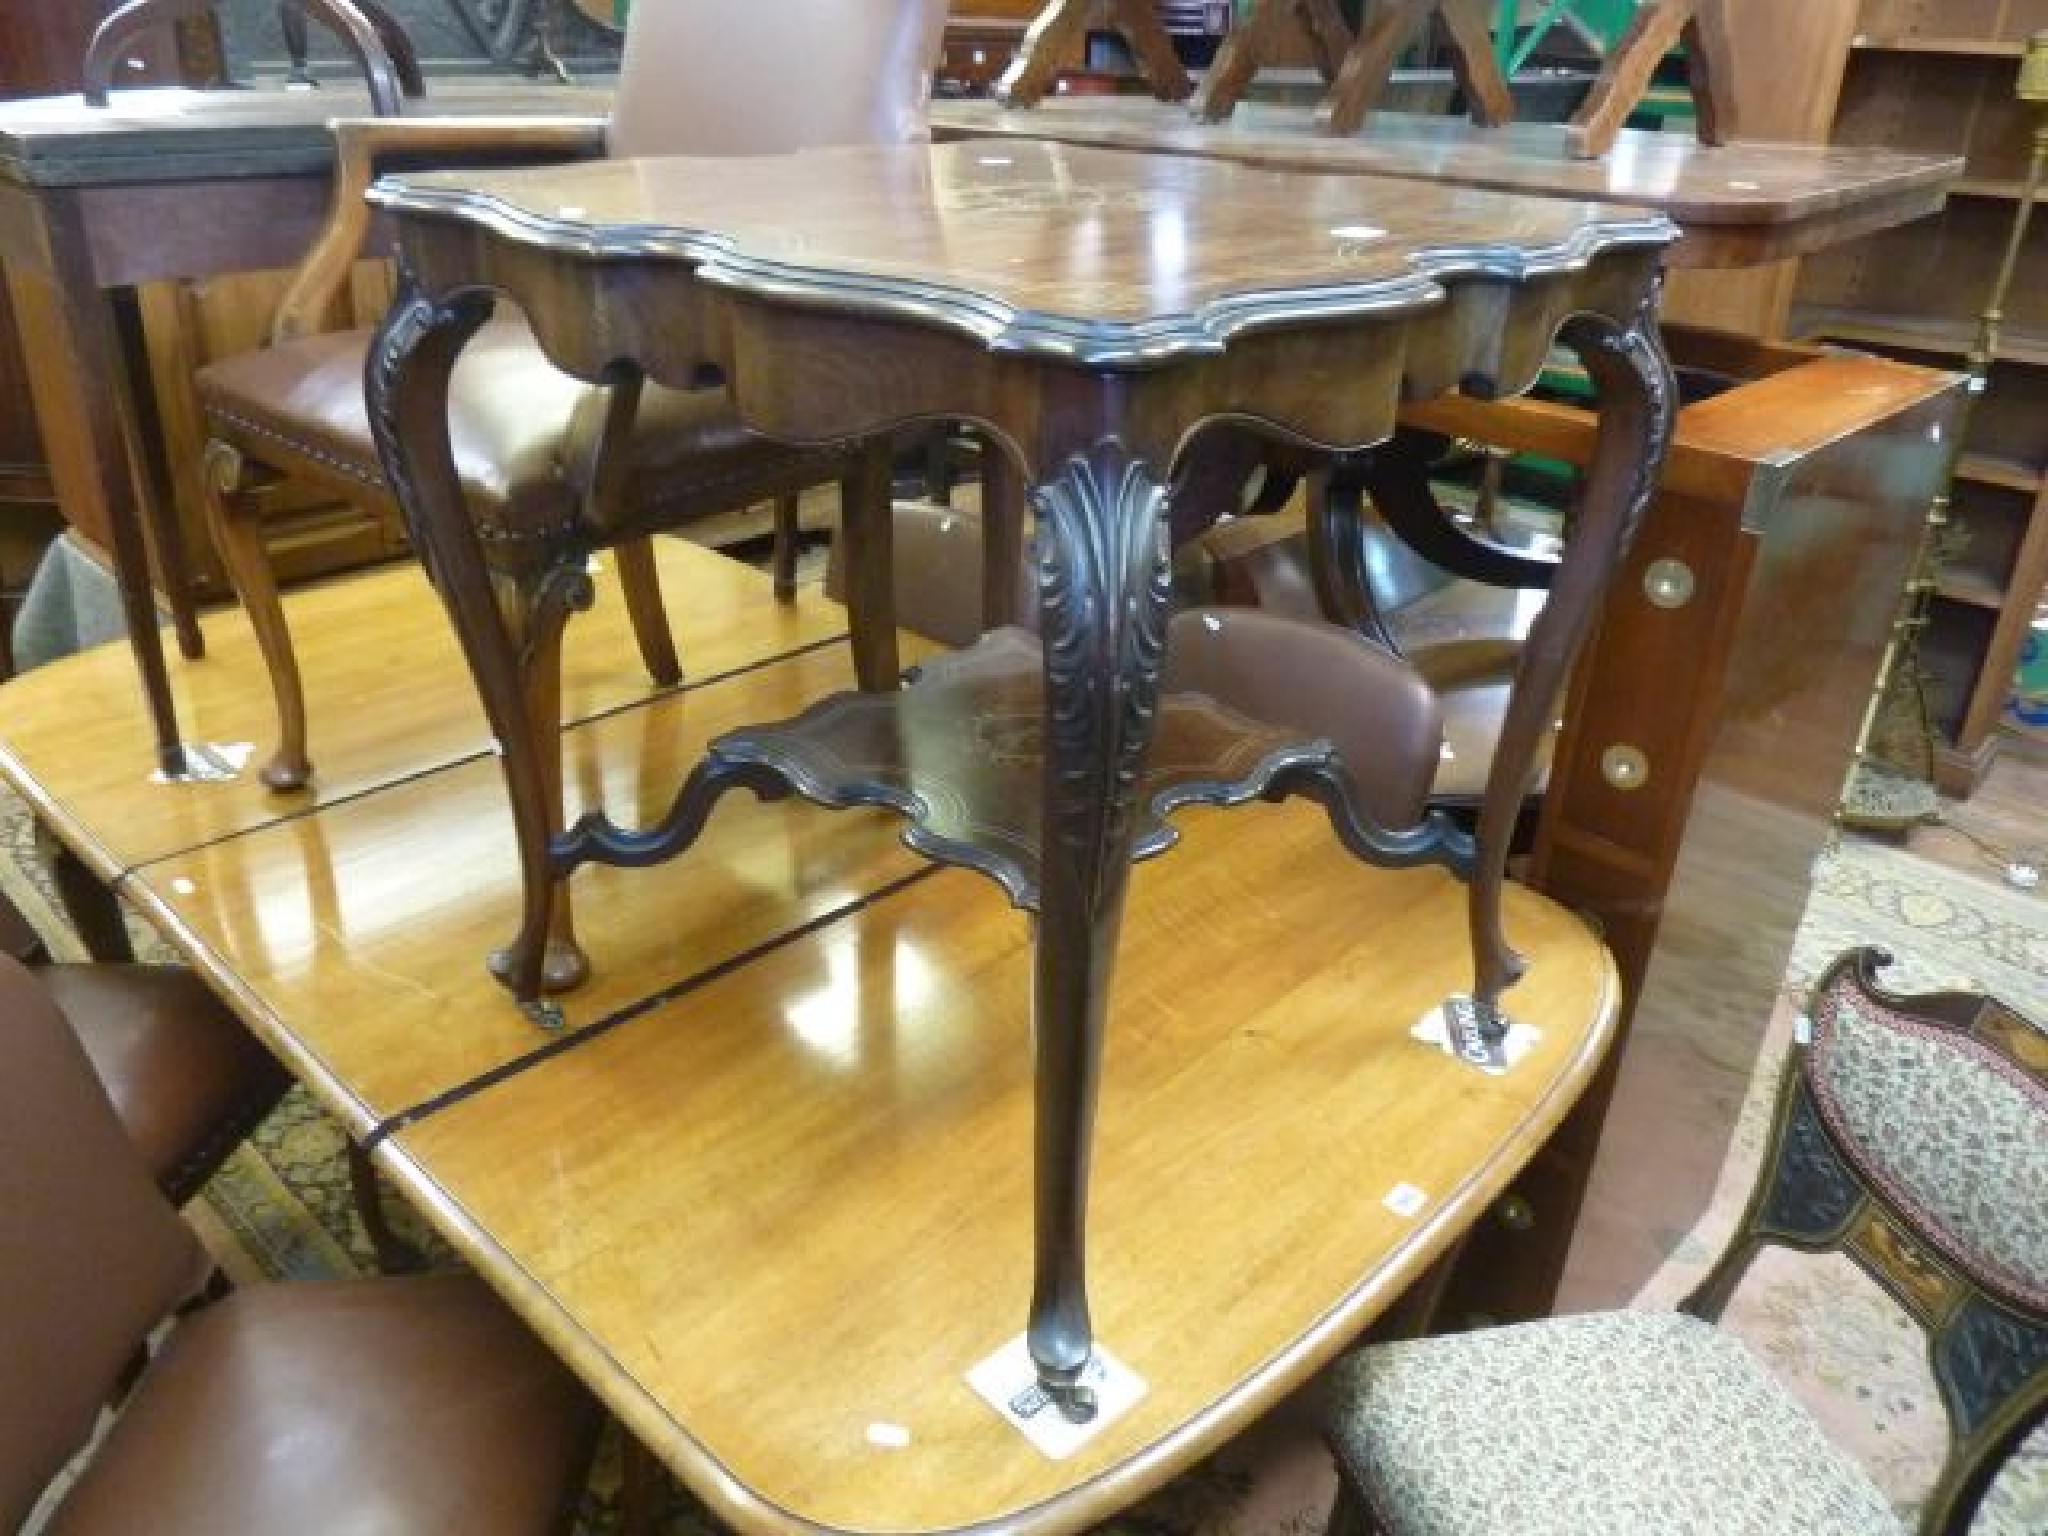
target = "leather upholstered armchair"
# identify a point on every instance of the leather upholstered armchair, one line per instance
(543, 456)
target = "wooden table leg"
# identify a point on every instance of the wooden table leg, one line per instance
(410, 362)
(66, 323)
(1369, 66)
(1638, 400)
(1256, 37)
(1658, 27)
(1057, 39)
(1103, 590)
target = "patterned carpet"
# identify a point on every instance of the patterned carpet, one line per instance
(281, 1210)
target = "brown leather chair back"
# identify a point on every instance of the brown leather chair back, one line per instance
(1368, 703)
(760, 77)
(91, 1255)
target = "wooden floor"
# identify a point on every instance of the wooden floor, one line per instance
(2006, 817)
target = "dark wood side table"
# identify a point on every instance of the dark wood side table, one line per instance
(162, 184)
(1089, 311)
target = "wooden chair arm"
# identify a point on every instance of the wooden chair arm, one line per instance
(365, 145)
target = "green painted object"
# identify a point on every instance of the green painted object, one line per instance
(1605, 19)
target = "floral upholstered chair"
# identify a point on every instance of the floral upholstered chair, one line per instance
(1911, 1134)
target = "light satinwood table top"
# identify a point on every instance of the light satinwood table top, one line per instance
(353, 940)
(1737, 203)
(387, 697)
(775, 1220)
(769, 1191)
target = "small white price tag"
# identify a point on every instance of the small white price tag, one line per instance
(1405, 1200)
(1434, 1029)
(1008, 1382)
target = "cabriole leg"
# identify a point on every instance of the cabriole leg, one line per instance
(1103, 589)
(407, 383)
(1638, 408)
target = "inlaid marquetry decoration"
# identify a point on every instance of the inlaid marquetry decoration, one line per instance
(1906, 1269)
(1057, 40)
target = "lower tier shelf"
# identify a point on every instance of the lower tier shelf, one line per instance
(959, 753)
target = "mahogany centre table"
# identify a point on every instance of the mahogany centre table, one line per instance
(1090, 310)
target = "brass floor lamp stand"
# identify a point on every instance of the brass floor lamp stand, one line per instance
(1884, 795)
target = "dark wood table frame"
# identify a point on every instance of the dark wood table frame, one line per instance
(1217, 291)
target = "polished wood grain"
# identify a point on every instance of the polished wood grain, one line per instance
(353, 940)
(1090, 311)
(778, 1215)
(1738, 204)
(1025, 247)
(389, 687)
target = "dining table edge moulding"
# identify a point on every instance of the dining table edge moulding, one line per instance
(1170, 292)
(1357, 68)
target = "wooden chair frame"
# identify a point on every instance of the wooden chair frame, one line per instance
(1818, 1194)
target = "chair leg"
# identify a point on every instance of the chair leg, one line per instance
(90, 904)
(239, 541)
(395, 1256)
(643, 1487)
(867, 516)
(641, 584)
(789, 535)
(1351, 1515)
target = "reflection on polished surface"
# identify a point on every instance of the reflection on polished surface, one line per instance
(1737, 203)
(771, 1188)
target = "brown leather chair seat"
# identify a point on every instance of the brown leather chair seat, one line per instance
(187, 1079)
(514, 422)
(416, 1404)
(377, 1405)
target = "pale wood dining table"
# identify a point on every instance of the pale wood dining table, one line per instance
(768, 1189)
